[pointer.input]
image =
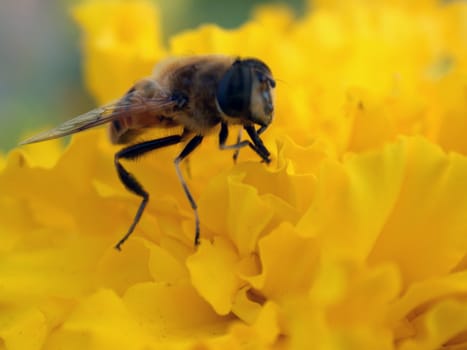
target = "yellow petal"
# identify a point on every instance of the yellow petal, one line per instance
(239, 213)
(118, 270)
(372, 126)
(352, 238)
(100, 321)
(263, 333)
(441, 327)
(451, 106)
(285, 245)
(173, 313)
(339, 213)
(245, 308)
(166, 262)
(49, 263)
(430, 240)
(120, 36)
(213, 273)
(371, 290)
(421, 296)
(44, 155)
(22, 329)
(247, 215)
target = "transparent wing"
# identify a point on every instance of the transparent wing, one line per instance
(105, 114)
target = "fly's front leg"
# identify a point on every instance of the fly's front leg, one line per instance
(237, 151)
(130, 182)
(223, 134)
(261, 148)
(256, 146)
(190, 147)
(239, 139)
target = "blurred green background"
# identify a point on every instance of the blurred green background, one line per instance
(40, 68)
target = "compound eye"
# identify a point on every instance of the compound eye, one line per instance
(234, 90)
(265, 80)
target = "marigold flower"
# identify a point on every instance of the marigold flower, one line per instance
(354, 237)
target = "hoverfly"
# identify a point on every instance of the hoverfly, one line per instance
(197, 93)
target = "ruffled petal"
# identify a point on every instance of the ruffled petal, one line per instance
(212, 270)
(353, 237)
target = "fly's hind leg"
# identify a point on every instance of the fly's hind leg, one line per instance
(131, 183)
(190, 147)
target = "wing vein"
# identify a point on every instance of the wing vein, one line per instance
(105, 114)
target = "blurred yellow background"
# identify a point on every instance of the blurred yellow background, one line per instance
(40, 68)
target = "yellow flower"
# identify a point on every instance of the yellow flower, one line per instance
(355, 237)
(120, 45)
